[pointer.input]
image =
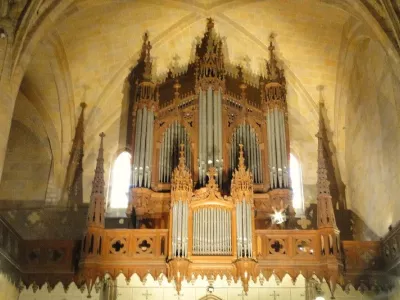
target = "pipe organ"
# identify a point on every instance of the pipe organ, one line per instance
(211, 107)
(210, 173)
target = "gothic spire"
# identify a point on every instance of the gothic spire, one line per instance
(73, 182)
(210, 58)
(274, 73)
(325, 212)
(95, 217)
(144, 46)
(210, 24)
(322, 182)
(182, 159)
(242, 180)
(181, 178)
(98, 181)
(147, 59)
(241, 166)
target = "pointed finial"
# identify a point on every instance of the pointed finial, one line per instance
(322, 182)
(98, 180)
(271, 47)
(177, 86)
(241, 165)
(146, 48)
(181, 178)
(211, 173)
(182, 159)
(242, 180)
(145, 40)
(80, 125)
(240, 72)
(274, 73)
(210, 24)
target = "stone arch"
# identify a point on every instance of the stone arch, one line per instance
(27, 166)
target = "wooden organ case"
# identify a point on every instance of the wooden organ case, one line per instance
(210, 165)
(210, 107)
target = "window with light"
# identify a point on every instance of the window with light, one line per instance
(297, 183)
(120, 180)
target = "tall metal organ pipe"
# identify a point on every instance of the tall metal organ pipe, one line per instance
(244, 229)
(180, 229)
(210, 133)
(245, 134)
(143, 152)
(277, 159)
(173, 136)
(211, 231)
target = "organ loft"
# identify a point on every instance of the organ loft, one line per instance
(210, 213)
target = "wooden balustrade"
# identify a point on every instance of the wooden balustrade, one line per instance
(49, 255)
(120, 244)
(362, 255)
(391, 249)
(288, 245)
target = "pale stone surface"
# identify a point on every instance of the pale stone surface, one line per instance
(373, 138)
(27, 166)
(150, 289)
(7, 290)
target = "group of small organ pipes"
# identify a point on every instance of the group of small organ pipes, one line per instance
(205, 223)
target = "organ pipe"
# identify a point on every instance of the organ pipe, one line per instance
(277, 161)
(245, 134)
(244, 229)
(211, 231)
(179, 230)
(142, 158)
(210, 133)
(173, 136)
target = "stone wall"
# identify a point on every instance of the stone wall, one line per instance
(8, 291)
(134, 288)
(27, 166)
(373, 137)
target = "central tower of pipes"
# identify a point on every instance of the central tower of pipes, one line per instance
(210, 84)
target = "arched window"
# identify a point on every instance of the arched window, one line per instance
(120, 181)
(297, 183)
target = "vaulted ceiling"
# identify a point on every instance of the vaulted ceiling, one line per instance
(87, 56)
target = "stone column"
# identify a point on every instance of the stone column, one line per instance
(7, 98)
